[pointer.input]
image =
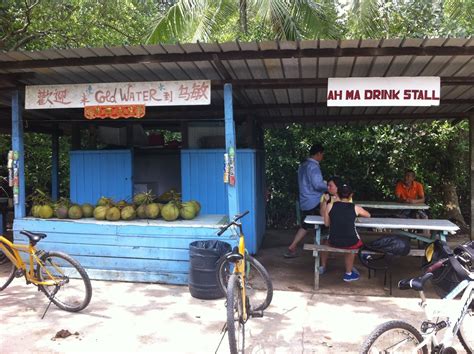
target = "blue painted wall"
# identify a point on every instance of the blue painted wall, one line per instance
(202, 179)
(124, 251)
(98, 173)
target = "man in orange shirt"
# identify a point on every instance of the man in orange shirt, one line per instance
(411, 192)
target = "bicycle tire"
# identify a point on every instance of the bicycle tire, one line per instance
(235, 309)
(375, 342)
(466, 330)
(7, 269)
(76, 293)
(259, 284)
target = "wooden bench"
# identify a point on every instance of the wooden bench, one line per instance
(318, 248)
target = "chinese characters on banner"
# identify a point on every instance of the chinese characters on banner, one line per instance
(157, 93)
(383, 91)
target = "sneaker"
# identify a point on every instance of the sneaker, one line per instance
(321, 270)
(290, 254)
(351, 277)
(354, 270)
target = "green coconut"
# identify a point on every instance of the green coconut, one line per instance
(122, 204)
(35, 210)
(113, 214)
(141, 211)
(197, 206)
(75, 212)
(62, 212)
(87, 210)
(100, 212)
(152, 210)
(170, 212)
(46, 212)
(103, 201)
(188, 210)
(128, 213)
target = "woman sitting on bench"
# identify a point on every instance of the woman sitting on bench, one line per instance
(340, 217)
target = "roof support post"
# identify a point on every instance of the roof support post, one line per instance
(471, 172)
(19, 158)
(230, 146)
(55, 165)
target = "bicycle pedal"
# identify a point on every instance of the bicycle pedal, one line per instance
(19, 273)
(257, 313)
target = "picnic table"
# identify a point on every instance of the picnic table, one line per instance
(403, 226)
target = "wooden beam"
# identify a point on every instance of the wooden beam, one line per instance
(239, 55)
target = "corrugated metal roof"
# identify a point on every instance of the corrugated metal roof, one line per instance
(276, 82)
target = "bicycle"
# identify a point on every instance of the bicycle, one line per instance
(60, 277)
(244, 281)
(401, 337)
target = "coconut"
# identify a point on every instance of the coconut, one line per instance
(141, 211)
(87, 210)
(100, 212)
(121, 204)
(75, 212)
(35, 210)
(170, 212)
(45, 212)
(62, 212)
(113, 214)
(103, 201)
(188, 210)
(152, 210)
(128, 213)
(197, 206)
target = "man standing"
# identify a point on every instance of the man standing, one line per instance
(411, 192)
(311, 188)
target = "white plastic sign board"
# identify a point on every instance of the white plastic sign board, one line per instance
(153, 93)
(383, 91)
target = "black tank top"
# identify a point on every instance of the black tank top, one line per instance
(342, 231)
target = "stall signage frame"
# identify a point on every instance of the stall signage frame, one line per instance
(152, 93)
(383, 91)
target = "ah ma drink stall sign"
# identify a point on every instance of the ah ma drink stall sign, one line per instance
(383, 91)
(120, 99)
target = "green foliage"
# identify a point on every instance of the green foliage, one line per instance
(28, 24)
(223, 20)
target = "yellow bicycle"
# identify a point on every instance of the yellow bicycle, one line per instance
(246, 284)
(60, 277)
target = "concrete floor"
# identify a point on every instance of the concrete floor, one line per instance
(132, 317)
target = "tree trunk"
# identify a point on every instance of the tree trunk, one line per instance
(243, 16)
(451, 205)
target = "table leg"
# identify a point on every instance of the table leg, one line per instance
(317, 241)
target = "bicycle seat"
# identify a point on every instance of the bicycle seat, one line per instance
(34, 237)
(414, 283)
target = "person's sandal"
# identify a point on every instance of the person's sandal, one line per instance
(290, 254)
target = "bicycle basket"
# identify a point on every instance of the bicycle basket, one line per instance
(446, 278)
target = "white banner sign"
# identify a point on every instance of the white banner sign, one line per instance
(157, 93)
(383, 91)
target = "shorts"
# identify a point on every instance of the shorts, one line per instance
(305, 213)
(356, 246)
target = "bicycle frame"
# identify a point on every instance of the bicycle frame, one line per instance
(28, 268)
(457, 313)
(240, 270)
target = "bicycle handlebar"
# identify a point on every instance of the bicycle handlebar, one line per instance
(419, 282)
(233, 222)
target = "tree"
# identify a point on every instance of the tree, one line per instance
(222, 20)
(41, 24)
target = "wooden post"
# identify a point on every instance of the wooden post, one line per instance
(232, 191)
(471, 172)
(18, 148)
(55, 165)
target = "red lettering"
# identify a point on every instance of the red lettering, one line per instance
(368, 94)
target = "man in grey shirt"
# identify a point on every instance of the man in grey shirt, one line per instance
(311, 188)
